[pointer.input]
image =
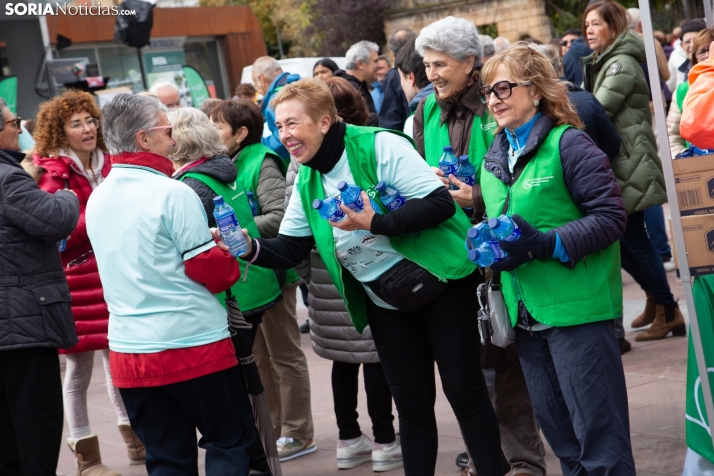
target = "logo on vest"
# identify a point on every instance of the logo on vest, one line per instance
(489, 126)
(341, 254)
(536, 182)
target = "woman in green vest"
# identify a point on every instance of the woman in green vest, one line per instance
(281, 360)
(700, 52)
(561, 279)
(404, 272)
(200, 163)
(453, 115)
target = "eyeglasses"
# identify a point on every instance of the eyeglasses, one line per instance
(501, 89)
(703, 53)
(170, 128)
(79, 126)
(15, 122)
(566, 42)
(174, 105)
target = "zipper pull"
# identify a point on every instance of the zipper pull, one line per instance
(530, 328)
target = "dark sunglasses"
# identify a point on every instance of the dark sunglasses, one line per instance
(501, 89)
(16, 122)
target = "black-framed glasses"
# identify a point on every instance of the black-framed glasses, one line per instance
(17, 122)
(501, 89)
(702, 53)
(566, 43)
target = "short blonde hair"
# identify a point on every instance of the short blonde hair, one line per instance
(314, 95)
(524, 64)
(195, 136)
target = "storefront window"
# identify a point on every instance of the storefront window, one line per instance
(203, 56)
(121, 64)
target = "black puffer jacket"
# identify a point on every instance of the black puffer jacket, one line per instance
(34, 297)
(219, 167)
(590, 182)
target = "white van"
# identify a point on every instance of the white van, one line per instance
(301, 66)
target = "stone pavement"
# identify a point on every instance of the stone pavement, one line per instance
(655, 372)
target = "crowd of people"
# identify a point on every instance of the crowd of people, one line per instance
(110, 244)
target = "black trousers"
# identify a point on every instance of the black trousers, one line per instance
(30, 412)
(444, 331)
(166, 418)
(379, 401)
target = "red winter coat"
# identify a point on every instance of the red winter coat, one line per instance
(91, 317)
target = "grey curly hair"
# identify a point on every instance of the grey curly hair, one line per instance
(455, 37)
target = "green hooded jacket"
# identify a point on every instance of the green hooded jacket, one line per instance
(617, 80)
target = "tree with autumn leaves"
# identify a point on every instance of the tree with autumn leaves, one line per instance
(315, 27)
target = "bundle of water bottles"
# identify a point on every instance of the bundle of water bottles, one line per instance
(482, 240)
(350, 195)
(460, 168)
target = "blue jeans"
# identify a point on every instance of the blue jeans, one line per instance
(577, 386)
(642, 262)
(654, 221)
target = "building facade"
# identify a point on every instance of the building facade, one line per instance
(512, 18)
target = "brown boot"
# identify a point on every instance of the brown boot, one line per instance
(89, 461)
(667, 319)
(648, 315)
(136, 451)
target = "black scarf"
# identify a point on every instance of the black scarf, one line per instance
(331, 149)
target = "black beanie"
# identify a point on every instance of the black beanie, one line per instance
(696, 25)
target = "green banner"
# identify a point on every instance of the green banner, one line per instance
(8, 91)
(698, 428)
(197, 86)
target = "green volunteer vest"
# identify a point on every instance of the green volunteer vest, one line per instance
(436, 136)
(440, 249)
(248, 164)
(261, 286)
(553, 294)
(680, 95)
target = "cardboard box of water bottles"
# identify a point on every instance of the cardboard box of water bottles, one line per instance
(694, 179)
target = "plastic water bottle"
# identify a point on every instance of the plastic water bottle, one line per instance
(504, 228)
(390, 197)
(229, 226)
(465, 171)
(479, 234)
(329, 209)
(486, 254)
(253, 203)
(350, 195)
(448, 162)
(62, 245)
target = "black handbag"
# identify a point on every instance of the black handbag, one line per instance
(407, 286)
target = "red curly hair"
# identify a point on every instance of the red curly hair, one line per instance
(53, 115)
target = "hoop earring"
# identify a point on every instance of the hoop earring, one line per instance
(536, 103)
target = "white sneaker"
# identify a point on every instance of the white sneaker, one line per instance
(669, 265)
(387, 457)
(352, 455)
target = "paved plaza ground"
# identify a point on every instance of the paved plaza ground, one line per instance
(655, 373)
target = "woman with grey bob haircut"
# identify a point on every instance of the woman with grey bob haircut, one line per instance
(456, 37)
(195, 136)
(124, 117)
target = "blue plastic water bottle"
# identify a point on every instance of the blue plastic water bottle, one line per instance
(448, 162)
(229, 226)
(465, 171)
(253, 203)
(62, 245)
(486, 254)
(504, 228)
(479, 234)
(329, 209)
(350, 195)
(390, 197)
